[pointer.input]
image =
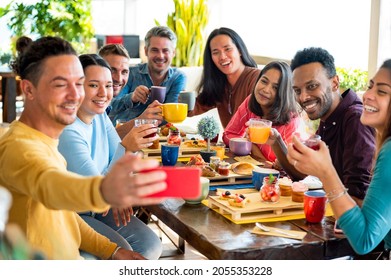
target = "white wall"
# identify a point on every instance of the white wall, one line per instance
(275, 28)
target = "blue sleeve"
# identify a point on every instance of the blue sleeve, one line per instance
(176, 87)
(365, 228)
(74, 147)
(116, 150)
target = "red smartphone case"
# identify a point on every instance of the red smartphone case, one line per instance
(183, 182)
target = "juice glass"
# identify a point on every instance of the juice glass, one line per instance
(220, 149)
(139, 122)
(259, 130)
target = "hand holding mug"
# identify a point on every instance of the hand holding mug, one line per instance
(153, 111)
(140, 94)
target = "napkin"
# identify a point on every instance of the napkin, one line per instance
(299, 234)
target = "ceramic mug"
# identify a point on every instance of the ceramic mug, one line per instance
(174, 112)
(169, 154)
(204, 192)
(314, 205)
(158, 93)
(188, 97)
(260, 173)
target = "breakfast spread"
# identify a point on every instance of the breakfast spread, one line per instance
(195, 143)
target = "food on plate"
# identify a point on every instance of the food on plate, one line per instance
(195, 143)
(226, 195)
(285, 185)
(248, 159)
(298, 189)
(196, 160)
(208, 171)
(270, 191)
(238, 201)
(243, 168)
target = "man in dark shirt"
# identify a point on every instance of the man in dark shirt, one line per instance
(351, 144)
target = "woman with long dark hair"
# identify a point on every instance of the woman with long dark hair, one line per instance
(229, 75)
(272, 99)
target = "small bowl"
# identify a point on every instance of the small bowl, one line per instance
(240, 146)
(204, 193)
(259, 173)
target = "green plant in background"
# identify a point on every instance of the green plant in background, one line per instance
(68, 19)
(188, 21)
(355, 79)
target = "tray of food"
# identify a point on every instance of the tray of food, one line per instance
(249, 206)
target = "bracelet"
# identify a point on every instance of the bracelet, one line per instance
(331, 196)
(115, 252)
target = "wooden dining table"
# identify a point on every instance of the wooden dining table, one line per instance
(217, 237)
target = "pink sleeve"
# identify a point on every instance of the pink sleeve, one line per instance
(236, 127)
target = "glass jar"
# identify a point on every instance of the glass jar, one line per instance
(270, 191)
(174, 137)
(214, 162)
(223, 168)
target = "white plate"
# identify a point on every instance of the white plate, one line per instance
(312, 182)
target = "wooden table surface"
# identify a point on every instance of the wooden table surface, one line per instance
(218, 238)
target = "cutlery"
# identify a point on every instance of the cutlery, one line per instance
(265, 228)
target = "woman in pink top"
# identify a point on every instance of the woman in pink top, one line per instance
(273, 99)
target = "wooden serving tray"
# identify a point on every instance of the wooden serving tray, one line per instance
(231, 179)
(184, 151)
(256, 209)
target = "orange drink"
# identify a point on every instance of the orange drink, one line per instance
(220, 150)
(259, 130)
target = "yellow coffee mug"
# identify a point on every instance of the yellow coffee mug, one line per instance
(174, 112)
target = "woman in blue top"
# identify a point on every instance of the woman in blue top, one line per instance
(365, 228)
(91, 145)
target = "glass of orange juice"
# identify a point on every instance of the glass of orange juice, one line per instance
(259, 130)
(220, 149)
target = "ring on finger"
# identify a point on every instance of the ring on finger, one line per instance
(294, 164)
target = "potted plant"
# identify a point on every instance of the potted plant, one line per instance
(70, 20)
(208, 128)
(188, 21)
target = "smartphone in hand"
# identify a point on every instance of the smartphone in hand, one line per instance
(183, 182)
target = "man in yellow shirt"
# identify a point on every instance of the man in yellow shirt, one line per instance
(45, 195)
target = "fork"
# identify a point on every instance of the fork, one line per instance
(265, 228)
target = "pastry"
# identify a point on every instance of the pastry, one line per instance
(226, 195)
(238, 201)
(285, 186)
(298, 189)
(242, 168)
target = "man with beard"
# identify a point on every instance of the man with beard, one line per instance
(160, 43)
(351, 144)
(118, 58)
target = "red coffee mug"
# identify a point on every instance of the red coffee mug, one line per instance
(314, 206)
